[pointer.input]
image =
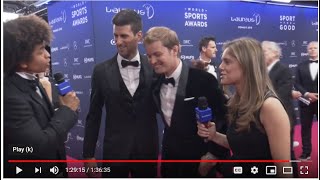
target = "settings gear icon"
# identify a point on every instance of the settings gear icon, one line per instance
(254, 170)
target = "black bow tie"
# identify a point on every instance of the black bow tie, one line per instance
(125, 63)
(311, 61)
(169, 80)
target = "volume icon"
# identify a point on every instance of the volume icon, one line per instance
(54, 170)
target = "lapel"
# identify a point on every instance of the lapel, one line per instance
(307, 70)
(145, 77)
(113, 75)
(273, 70)
(181, 92)
(25, 87)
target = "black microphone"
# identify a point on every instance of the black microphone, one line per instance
(63, 86)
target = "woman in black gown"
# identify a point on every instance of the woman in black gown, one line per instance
(259, 127)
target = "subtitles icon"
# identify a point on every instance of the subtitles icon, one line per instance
(287, 170)
(237, 170)
(271, 170)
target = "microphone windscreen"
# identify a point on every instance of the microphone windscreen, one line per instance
(58, 77)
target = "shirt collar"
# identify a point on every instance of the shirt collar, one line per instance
(27, 76)
(272, 64)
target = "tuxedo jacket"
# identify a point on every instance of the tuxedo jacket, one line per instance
(30, 120)
(304, 82)
(180, 139)
(282, 82)
(131, 130)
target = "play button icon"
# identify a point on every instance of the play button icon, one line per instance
(18, 170)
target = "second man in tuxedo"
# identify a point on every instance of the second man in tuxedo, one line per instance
(176, 94)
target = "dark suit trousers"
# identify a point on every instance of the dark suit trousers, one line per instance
(307, 113)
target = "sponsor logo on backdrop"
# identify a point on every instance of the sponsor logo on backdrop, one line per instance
(284, 43)
(65, 62)
(187, 42)
(79, 92)
(79, 15)
(87, 43)
(75, 45)
(293, 54)
(293, 65)
(69, 137)
(66, 76)
(305, 43)
(55, 63)
(88, 59)
(76, 61)
(246, 22)
(221, 43)
(79, 138)
(195, 17)
(54, 49)
(67, 46)
(61, 18)
(77, 76)
(146, 10)
(79, 123)
(293, 43)
(87, 77)
(113, 42)
(304, 54)
(287, 23)
(315, 24)
(186, 57)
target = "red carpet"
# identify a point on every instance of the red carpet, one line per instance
(306, 169)
(311, 165)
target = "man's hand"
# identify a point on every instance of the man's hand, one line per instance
(205, 167)
(91, 166)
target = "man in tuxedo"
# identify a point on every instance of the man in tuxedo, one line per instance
(307, 84)
(29, 118)
(282, 82)
(208, 51)
(123, 85)
(176, 94)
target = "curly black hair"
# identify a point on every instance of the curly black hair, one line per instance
(21, 36)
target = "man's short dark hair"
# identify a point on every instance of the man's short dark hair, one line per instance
(128, 17)
(21, 36)
(205, 41)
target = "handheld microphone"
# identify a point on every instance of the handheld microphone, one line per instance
(203, 112)
(63, 86)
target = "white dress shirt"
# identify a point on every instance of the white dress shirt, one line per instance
(130, 74)
(168, 94)
(210, 68)
(313, 70)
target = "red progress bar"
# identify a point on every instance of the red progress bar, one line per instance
(147, 161)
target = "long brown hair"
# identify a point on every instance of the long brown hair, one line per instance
(243, 108)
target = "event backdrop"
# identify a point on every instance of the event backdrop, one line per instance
(84, 37)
